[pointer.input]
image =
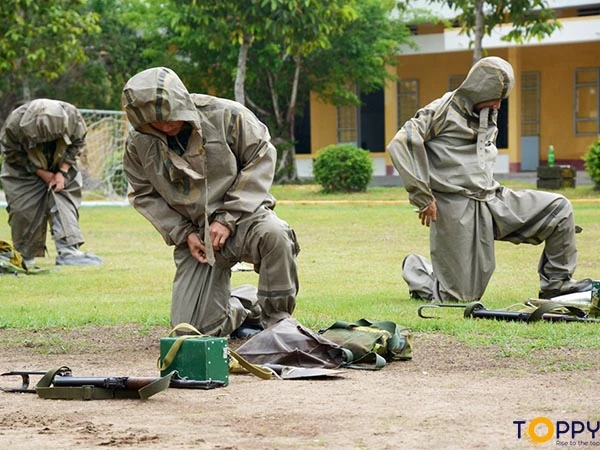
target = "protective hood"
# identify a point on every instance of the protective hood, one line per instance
(490, 78)
(45, 120)
(158, 95)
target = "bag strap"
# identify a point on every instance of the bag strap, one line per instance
(539, 312)
(170, 356)
(45, 390)
(185, 326)
(370, 361)
(254, 369)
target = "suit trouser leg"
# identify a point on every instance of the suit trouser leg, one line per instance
(27, 199)
(462, 248)
(202, 296)
(272, 247)
(533, 217)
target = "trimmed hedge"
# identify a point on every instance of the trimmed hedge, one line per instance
(343, 168)
(592, 163)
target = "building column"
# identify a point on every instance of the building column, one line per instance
(391, 114)
(514, 112)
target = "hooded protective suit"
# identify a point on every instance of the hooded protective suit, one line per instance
(222, 171)
(42, 134)
(446, 152)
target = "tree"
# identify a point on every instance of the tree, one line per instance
(529, 19)
(239, 22)
(299, 29)
(356, 53)
(286, 48)
(277, 50)
(37, 41)
(114, 54)
(286, 30)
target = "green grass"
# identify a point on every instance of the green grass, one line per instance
(350, 267)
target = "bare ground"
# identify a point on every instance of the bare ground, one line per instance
(449, 396)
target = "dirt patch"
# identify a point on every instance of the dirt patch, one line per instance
(449, 396)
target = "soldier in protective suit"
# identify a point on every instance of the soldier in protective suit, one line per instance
(200, 169)
(445, 156)
(41, 141)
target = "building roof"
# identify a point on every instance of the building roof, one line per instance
(442, 10)
(573, 30)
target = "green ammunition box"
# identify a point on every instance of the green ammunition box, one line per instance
(557, 177)
(200, 358)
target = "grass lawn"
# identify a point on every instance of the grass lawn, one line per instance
(352, 249)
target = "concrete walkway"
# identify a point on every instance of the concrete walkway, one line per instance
(582, 178)
(394, 180)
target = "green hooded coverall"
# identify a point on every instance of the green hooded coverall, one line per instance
(447, 152)
(223, 174)
(44, 134)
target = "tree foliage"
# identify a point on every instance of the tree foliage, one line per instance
(268, 54)
(38, 39)
(283, 49)
(113, 55)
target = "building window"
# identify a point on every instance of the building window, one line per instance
(587, 101)
(347, 124)
(530, 104)
(408, 100)
(364, 125)
(455, 81)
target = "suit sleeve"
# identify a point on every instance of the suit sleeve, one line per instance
(172, 226)
(409, 155)
(251, 142)
(12, 151)
(77, 133)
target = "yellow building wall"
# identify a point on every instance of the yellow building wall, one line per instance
(323, 125)
(556, 64)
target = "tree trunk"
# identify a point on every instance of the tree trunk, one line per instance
(26, 89)
(478, 39)
(240, 77)
(287, 170)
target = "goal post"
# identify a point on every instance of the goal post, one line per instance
(101, 164)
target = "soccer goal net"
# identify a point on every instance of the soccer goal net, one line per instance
(102, 162)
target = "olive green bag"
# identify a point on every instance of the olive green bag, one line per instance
(372, 344)
(11, 261)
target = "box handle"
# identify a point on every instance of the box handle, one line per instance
(170, 356)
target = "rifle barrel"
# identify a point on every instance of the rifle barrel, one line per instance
(524, 316)
(131, 383)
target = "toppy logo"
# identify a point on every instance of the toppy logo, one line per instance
(566, 432)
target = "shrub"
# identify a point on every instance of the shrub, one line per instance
(343, 168)
(592, 163)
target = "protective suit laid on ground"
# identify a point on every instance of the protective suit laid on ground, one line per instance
(445, 156)
(41, 142)
(208, 182)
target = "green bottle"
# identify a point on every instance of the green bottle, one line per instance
(551, 156)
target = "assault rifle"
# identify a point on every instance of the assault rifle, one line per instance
(552, 312)
(60, 383)
(133, 383)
